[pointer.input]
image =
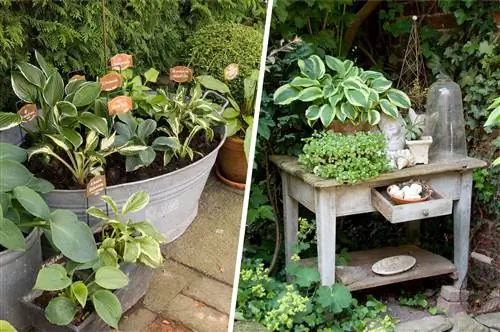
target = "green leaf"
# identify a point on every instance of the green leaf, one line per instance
(381, 84)
(335, 99)
(136, 202)
(86, 94)
(388, 108)
(354, 83)
(72, 237)
(285, 94)
(108, 307)
(11, 236)
(357, 97)
(41, 186)
(327, 114)
(13, 174)
(373, 117)
(94, 122)
(303, 82)
(313, 67)
(151, 75)
(212, 83)
(313, 113)
(151, 249)
(60, 311)
(335, 64)
(335, 298)
(5, 326)
(146, 128)
(348, 110)
(98, 213)
(66, 109)
(59, 141)
(52, 278)
(23, 89)
(329, 90)
(131, 252)
(111, 203)
(9, 120)
(110, 277)
(306, 277)
(146, 228)
(399, 98)
(72, 136)
(33, 74)
(31, 201)
(310, 94)
(71, 88)
(46, 68)
(53, 90)
(80, 292)
(12, 152)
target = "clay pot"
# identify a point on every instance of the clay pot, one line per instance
(348, 127)
(232, 163)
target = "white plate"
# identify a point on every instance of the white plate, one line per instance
(394, 264)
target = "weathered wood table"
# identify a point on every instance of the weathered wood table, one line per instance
(329, 199)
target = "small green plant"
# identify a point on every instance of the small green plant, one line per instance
(5, 326)
(414, 129)
(345, 92)
(346, 158)
(494, 121)
(417, 301)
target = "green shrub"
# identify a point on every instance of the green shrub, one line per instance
(213, 47)
(346, 158)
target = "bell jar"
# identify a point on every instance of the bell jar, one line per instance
(445, 121)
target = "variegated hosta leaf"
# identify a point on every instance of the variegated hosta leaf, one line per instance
(312, 67)
(60, 142)
(327, 114)
(303, 82)
(9, 120)
(335, 64)
(357, 97)
(353, 83)
(43, 149)
(381, 84)
(373, 117)
(91, 141)
(312, 113)
(388, 108)
(310, 94)
(348, 110)
(335, 99)
(107, 142)
(285, 94)
(398, 98)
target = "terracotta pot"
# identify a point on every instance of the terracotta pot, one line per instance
(348, 127)
(232, 162)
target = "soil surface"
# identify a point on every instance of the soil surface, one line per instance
(62, 178)
(43, 301)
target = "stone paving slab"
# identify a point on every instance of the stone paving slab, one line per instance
(137, 321)
(212, 292)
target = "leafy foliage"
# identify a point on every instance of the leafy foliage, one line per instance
(347, 158)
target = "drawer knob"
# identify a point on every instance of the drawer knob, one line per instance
(425, 212)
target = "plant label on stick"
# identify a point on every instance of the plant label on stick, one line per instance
(181, 74)
(111, 81)
(119, 105)
(28, 112)
(96, 185)
(231, 71)
(121, 61)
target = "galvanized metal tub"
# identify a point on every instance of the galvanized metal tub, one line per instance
(18, 270)
(174, 196)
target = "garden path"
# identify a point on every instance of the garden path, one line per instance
(192, 290)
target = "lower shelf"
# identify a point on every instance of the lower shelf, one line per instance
(358, 273)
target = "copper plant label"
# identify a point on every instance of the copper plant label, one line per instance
(28, 112)
(120, 104)
(96, 185)
(181, 74)
(121, 61)
(231, 71)
(111, 81)
(77, 78)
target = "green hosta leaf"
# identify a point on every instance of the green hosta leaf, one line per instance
(5, 203)
(72, 86)
(12, 152)
(335, 298)
(146, 128)
(40, 185)
(348, 64)
(86, 94)
(370, 75)
(33, 74)
(313, 67)
(107, 142)
(373, 97)
(493, 118)
(72, 237)
(13, 174)
(151, 249)
(357, 97)
(147, 156)
(11, 236)
(310, 94)
(329, 90)
(131, 252)
(9, 120)
(388, 108)
(373, 117)
(354, 83)
(381, 84)
(151, 75)
(108, 307)
(111, 203)
(72, 136)
(303, 82)
(136, 202)
(108, 257)
(94, 122)
(285, 94)
(98, 213)
(348, 110)
(327, 114)
(163, 143)
(313, 113)
(230, 113)
(60, 311)
(59, 141)
(335, 99)
(52, 278)
(31, 201)
(110, 277)
(66, 109)
(335, 64)
(212, 83)
(23, 89)
(399, 98)
(53, 90)
(80, 292)
(5, 326)
(46, 68)
(147, 229)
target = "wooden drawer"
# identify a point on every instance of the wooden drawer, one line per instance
(435, 206)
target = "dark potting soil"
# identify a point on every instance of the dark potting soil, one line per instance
(55, 172)
(43, 301)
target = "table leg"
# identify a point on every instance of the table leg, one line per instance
(291, 218)
(325, 231)
(461, 229)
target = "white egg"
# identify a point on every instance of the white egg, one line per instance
(412, 197)
(399, 194)
(405, 189)
(416, 187)
(411, 192)
(393, 189)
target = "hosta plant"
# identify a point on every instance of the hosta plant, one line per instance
(494, 121)
(125, 240)
(339, 90)
(346, 158)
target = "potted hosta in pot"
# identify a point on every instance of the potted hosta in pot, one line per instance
(417, 144)
(340, 95)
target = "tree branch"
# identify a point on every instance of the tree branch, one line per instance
(361, 16)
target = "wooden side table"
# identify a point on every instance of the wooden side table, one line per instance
(330, 199)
